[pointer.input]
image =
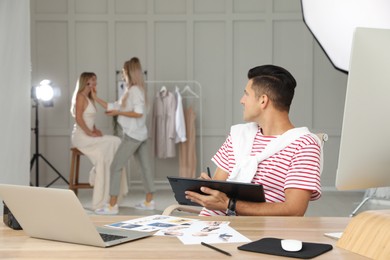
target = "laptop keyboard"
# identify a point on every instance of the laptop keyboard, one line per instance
(109, 237)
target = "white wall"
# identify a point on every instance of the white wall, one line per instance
(15, 68)
(213, 42)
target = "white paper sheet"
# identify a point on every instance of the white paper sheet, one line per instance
(211, 232)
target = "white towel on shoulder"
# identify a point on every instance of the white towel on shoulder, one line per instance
(242, 138)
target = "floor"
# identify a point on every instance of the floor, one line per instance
(331, 204)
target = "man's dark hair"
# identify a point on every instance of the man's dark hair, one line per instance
(274, 81)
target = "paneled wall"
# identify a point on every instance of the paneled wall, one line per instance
(213, 42)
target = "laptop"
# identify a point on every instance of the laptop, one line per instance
(238, 190)
(57, 214)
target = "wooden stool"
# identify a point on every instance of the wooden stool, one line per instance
(74, 183)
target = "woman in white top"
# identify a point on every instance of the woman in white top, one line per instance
(130, 109)
(99, 148)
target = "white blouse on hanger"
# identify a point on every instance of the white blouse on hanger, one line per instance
(179, 119)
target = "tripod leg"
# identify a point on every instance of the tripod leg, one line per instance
(33, 159)
(54, 169)
(48, 185)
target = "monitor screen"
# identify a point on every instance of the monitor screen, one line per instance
(364, 158)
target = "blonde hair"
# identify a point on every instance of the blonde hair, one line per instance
(134, 77)
(81, 84)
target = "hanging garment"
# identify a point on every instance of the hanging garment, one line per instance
(187, 150)
(163, 124)
(179, 119)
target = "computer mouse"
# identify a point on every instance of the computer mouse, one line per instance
(291, 245)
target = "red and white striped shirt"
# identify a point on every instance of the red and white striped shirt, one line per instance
(296, 166)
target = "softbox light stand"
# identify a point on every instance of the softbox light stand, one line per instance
(37, 155)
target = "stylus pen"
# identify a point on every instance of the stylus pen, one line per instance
(216, 249)
(208, 171)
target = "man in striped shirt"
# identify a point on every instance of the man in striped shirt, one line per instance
(290, 173)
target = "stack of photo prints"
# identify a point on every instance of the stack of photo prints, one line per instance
(189, 231)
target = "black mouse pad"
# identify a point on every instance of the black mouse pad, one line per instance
(272, 246)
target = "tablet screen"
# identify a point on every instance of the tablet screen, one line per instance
(237, 190)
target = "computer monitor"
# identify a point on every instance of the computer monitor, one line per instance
(364, 158)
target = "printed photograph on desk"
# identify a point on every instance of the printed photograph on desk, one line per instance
(152, 223)
(211, 232)
(206, 227)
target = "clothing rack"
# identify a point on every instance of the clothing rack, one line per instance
(189, 90)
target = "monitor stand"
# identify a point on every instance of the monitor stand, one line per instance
(374, 193)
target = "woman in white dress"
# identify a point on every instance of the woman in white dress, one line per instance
(99, 148)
